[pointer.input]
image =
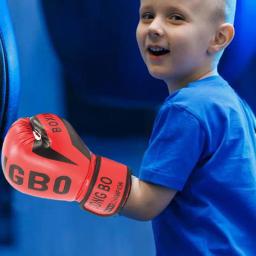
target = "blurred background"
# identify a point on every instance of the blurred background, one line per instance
(79, 59)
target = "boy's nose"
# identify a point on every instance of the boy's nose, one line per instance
(155, 29)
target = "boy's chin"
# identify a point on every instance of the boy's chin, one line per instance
(159, 75)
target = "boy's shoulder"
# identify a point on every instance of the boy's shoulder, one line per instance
(203, 95)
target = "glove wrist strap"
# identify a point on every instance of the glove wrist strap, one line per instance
(109, 188)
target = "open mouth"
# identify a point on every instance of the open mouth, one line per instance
(158, 51)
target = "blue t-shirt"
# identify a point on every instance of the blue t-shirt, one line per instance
(203, 145)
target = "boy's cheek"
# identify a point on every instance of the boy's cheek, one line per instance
(139, 39)
(138, 33)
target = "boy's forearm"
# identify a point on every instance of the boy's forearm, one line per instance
(146, 200)
(134, 207)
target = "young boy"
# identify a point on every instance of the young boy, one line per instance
(197, 180)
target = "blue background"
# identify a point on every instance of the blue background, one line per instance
(94, 60)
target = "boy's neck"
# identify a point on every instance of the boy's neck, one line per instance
(174, 86)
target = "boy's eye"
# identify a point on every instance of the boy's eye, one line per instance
(147, 16)
(176, 17)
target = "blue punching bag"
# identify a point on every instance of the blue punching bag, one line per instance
(9, 71)
(9, 92)
(239, 54)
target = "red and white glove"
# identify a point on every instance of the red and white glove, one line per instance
(44, 157)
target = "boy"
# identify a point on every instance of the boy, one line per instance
(197, 180)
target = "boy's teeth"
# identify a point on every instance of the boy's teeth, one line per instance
(158, 50)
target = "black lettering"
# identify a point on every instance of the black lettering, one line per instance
(100, 195)
(35, 184)
(109, 207)
(117, 194)
(53, 123)
(56, 129)
(47, 117)
(96, 201)
(62, 189)
(14, 170)
(95, 204)
(106, 180)
(104, 187)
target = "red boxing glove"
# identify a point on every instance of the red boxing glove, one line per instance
(43, 156)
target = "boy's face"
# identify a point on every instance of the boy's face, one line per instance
(174, 37)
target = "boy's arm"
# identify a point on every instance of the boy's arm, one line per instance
(146, 200)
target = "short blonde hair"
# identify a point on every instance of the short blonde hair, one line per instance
(225, 10)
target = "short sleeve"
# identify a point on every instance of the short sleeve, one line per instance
(175, 147)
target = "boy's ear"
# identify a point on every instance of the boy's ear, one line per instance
(222, 38)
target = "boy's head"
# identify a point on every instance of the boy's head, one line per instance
(182, 40)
